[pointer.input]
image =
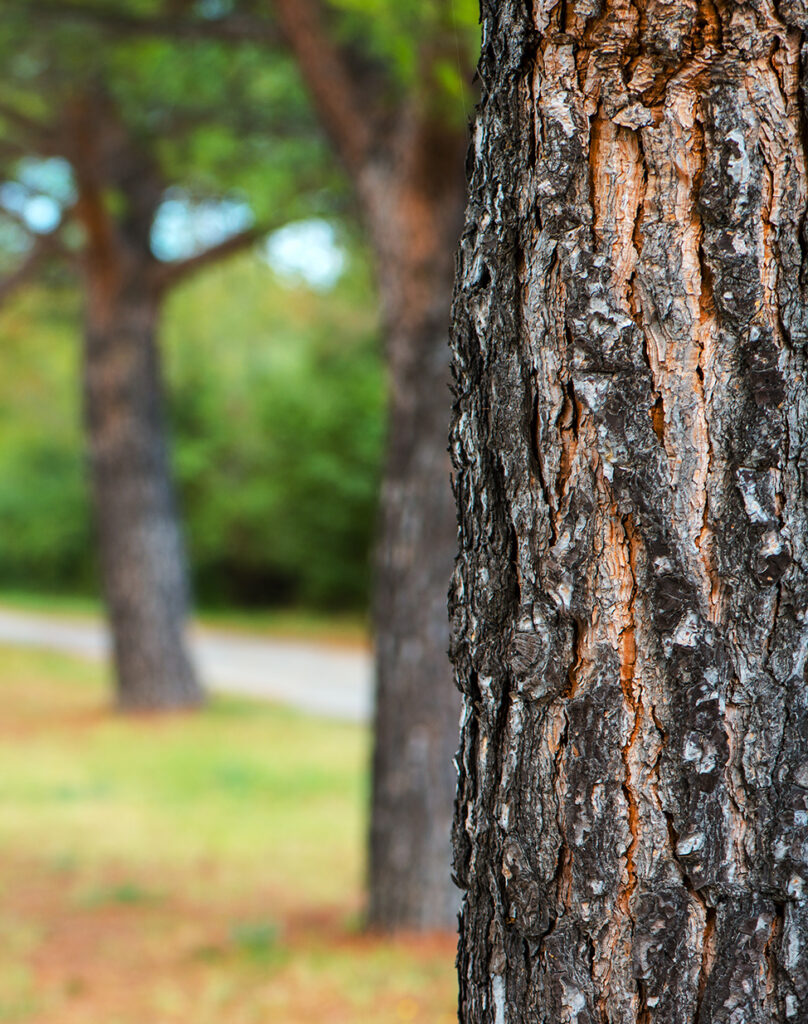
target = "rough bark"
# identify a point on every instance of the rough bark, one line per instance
(631, 451)
(415, 215)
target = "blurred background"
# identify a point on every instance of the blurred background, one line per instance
(274, 391)
(227, 231)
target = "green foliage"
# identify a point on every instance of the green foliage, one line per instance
(428, 46)
(44, 515)
(218, 120)
(279, 435)
(275, 402)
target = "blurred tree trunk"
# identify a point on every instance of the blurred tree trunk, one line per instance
(407, 169)
(140, 544)
(630, 441)
(141, 551)
(415, 213)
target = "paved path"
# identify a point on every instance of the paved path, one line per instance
(324, 680)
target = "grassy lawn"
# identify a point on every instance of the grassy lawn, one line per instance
(189, 869)
(303, 623)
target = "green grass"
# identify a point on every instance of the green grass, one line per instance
(299, 623)
(250, 783)
(200, 867)
(55, 603)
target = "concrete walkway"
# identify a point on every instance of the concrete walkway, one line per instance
(321, 679)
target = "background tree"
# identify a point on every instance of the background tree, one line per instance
(278, 492)
(131, 119)
(386, 80)
(400, 133)
(630, 597)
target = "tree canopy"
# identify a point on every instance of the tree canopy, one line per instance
(217, 124)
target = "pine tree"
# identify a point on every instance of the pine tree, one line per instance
(630, 438)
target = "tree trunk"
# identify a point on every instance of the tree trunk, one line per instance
(141, 553)
(141, 550)
(630, 601)
(415, 219)
(404, 158)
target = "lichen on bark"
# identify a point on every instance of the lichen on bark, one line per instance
(630, 442)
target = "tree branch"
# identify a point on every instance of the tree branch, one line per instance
(346, 116)
(166, 275)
